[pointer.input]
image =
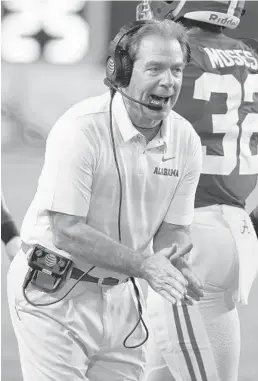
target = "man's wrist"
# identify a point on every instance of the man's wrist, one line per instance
(119, 258)
(140, 271)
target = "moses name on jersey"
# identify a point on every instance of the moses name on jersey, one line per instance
(219, 97)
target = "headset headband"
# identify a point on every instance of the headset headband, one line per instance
(119, 64)
(126, 29)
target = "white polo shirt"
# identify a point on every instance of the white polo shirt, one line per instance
(79, 176)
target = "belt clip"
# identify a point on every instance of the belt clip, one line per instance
(100, 282)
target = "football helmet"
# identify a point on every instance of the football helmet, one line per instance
(217, 12)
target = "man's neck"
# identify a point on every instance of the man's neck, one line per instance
(148, 128)
(149, 133)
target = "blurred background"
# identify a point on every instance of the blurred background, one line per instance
(53, 55)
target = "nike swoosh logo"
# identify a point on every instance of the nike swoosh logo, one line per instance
(169, 158)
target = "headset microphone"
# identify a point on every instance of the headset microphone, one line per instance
(109, 83)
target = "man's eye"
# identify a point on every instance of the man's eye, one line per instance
(153, 69)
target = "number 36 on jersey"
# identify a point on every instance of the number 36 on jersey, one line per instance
(238, 128)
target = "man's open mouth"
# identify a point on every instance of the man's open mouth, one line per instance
(158, 100)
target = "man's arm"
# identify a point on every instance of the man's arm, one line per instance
(71, 234)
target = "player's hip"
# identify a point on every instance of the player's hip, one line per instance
(225, 248)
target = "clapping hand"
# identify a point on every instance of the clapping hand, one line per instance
(161, 274)
(195, 287)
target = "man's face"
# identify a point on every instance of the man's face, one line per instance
(156, 77)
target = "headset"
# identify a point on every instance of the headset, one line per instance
(119, 64)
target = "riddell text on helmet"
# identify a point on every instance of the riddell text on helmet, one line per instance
(226, 21)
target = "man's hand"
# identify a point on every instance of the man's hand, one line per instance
(163, 277)
(195, 286)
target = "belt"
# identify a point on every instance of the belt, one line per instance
(76, 274)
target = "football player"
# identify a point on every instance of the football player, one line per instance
(219, 97)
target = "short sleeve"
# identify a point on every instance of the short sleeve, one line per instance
(66, 179)
(181, 209)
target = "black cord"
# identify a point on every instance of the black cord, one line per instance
(112, 92)
(28, 278)
(137, 294)
(140, 320)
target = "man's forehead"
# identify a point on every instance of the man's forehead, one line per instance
(150, 49)
(155, 44)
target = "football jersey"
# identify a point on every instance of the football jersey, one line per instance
(219, 97)
(255, 213)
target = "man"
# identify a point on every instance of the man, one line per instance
(9, 232)
(120, 171)
(219, 97)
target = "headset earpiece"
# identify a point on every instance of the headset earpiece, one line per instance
(119, 65)
(119, 68)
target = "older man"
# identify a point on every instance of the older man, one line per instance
(120, 171)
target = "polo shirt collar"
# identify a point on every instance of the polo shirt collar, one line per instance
(128, 131)
(165, 132)
(123, 121)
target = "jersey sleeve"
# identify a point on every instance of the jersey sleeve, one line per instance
(66, 179)
(181, 209)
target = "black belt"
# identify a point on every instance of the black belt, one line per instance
(76, 274)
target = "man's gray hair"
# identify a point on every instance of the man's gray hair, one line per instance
(165, 28)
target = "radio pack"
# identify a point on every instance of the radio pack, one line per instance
(49, 270)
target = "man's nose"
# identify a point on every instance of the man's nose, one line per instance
(167, 79)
